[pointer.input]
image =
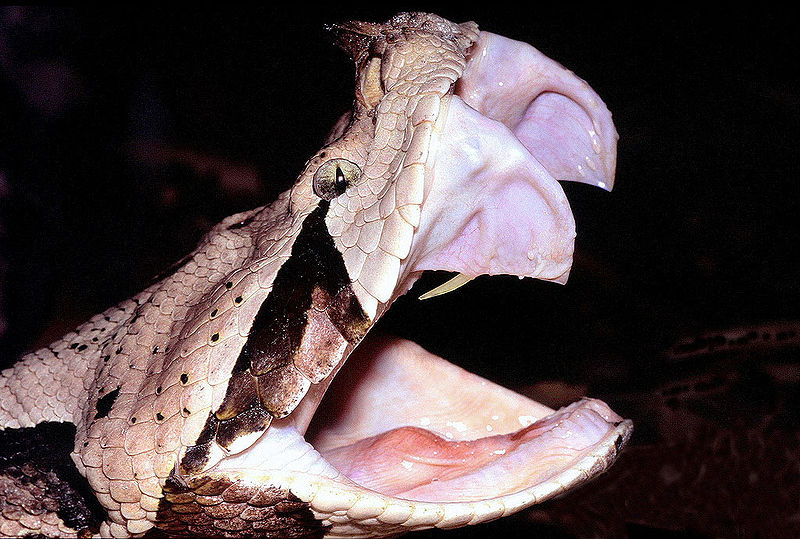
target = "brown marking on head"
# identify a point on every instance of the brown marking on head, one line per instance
(322, 345)
(302, 331)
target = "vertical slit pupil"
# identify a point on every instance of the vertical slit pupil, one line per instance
(340, 183)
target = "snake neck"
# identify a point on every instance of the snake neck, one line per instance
(50, 383)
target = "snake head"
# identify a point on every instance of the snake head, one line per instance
(221, 400)
(449, 160)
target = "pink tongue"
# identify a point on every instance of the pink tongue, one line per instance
(407, 457)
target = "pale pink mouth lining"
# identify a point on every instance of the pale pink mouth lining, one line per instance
(416, 464)
(406, 424)
(483, 439)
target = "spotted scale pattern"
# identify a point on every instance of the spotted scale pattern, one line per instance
(165, 356)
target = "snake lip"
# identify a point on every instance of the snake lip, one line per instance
(403, 429)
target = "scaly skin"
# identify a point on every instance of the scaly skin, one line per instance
(162, 387)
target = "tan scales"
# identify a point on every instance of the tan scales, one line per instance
(157, 386)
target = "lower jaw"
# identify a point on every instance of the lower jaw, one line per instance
(417, 464)
(403, 424)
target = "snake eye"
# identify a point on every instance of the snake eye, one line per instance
(334, 177)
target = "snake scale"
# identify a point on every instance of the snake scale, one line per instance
(186, 408)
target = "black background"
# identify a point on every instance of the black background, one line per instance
(699, 234)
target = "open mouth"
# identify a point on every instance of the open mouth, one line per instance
(405, 438)
(442, 434)
(399, 439)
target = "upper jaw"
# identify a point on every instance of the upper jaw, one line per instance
(518, 124)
